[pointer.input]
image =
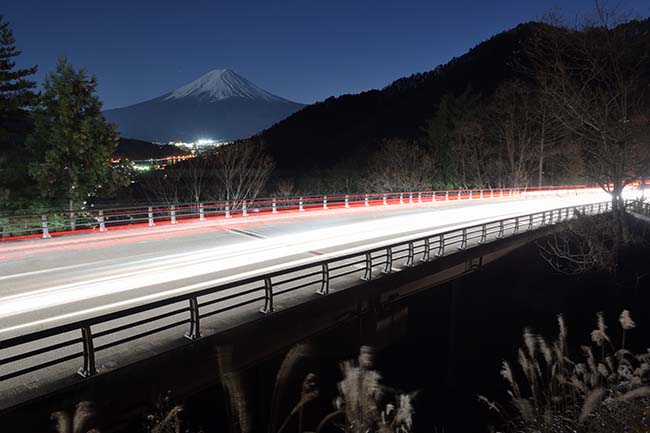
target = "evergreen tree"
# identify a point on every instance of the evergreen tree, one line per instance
(72, 142)
(16, 97)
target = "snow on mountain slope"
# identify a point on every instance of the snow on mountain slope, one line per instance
(220, 105)
(220, 84)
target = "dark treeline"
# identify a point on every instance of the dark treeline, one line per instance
(539, 104)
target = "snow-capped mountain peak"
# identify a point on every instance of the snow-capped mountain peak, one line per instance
(220, 84)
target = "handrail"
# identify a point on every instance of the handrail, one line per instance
(267, 284)
(44, 225)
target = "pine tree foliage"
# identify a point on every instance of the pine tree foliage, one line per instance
(72, 142)
(16, 97)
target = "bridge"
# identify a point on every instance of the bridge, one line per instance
(76, 307)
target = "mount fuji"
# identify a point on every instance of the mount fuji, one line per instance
(220, 105)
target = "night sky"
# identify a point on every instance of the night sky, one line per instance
(302, 50)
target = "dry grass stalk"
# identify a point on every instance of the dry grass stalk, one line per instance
(608, 391)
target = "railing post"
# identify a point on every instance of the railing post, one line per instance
(446, 195)
(543, 218)
(325, 284)
(195, 322)
(201, 212)
(501, 231)
(411, 255)
(73, 221)
(385, 200)
(458, 194)
(389, 261)
(483, 234)
(150, 217)
(275, 207)
(367, 276)
(366, 203)
(427, 251)
(268, 296)
(401, 198)
(530, 222)
(46, 230)
(491, 193)
(228, 210)
(301, 208)
(441, 245)
(100, 218)
(516, 230)
(419, 197)
(88, 368)
(244, 209)
(347, 201)
(501, 193)
(463, 241)
(325, 202)
(410, 198)
(173, 214)
(481, 194)
(470, 194)
(433, 197)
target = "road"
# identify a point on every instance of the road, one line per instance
(47, 282)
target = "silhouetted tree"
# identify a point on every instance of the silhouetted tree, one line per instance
(72, 143)
(399, 166)
(16, 97)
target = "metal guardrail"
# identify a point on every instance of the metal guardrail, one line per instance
(85, 338)
(44, 224)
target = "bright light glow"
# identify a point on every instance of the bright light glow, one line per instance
(122, 281)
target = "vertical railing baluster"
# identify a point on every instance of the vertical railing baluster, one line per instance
(441, 245)
(419, 197)
(463, 241)
(325, 202)
(201, 212)
(325, 283)
(301, 207)
(401, 198)
(44, 228)
(410, 198)
(367, 276)
(388, 268)
(88, 368)
(244, 209)
(268, 296)
(172, 214)
(411, 255)
(385, 200)
(274, 206)
(483, 234)
(195, 322)
(365, 201)
(516, 230)
(100, 218)
(347, 201)
(150, 217)
(500, 234)
(427, 251)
